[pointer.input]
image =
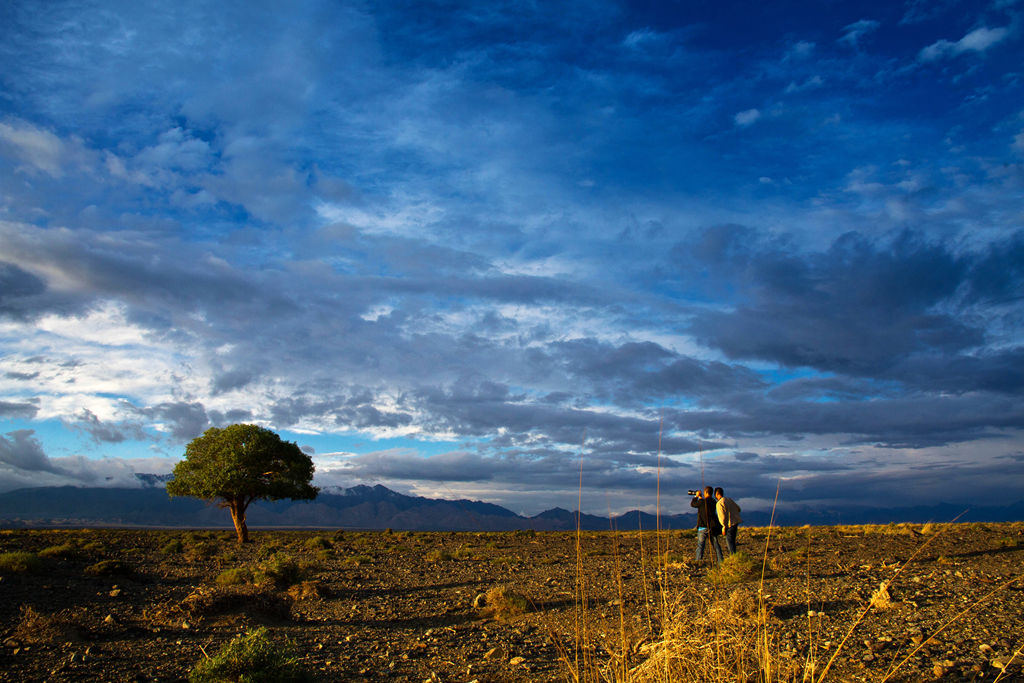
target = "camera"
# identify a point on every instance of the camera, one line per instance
(693, 492)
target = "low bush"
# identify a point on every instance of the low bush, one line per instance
(252, 658)
(108, 568)
(234, 577)
(318, 543)
(62, 551)
(463, 553)
(439, 556)
(280, 570)
(503, 602)
(173, 547)
(735, 568)
(19, 561)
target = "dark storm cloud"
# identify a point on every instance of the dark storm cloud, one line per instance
(17, 285)
(13, 409)
(904, 309)
(857, 308)
(640, 371)
(490, 409)
(105, 432)
(185, 420)
(910, 421)
(230, 380)
(21, 450)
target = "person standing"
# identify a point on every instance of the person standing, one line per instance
(708, 526)
(728, 513)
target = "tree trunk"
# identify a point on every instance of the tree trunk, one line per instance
(237, 508)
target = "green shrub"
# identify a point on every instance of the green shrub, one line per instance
(318, 543)
(173, 547)
(280, 570)
(735, 569)
(62, 551)
(251, 658)
(19, 561)
(358, 560)
(201, 550)
(94, 546)
(107, 568)
(438, 556)
(234, 577)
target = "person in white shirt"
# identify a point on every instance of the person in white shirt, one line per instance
(729, 516)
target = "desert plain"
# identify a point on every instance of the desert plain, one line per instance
(901, 602)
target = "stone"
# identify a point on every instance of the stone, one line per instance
(480, 601)
(494, 653)
(516, 661)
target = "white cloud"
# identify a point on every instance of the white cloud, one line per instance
(978, 40)
(637, 39)
(746, 118)
(857, 30)
(810, 84)
(39, 148)
(799, 50)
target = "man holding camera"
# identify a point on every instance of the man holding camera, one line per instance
(708, 525)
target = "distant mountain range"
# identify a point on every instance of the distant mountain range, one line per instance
(377, 507)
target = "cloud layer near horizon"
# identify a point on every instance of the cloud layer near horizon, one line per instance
(782, 244)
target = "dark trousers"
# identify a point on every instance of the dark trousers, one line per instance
(730, 538)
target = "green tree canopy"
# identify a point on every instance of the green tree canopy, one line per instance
(239, 464)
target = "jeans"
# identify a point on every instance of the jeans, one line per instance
(730, 538)
(702, 536)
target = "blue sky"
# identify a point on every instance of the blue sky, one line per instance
(464, 249)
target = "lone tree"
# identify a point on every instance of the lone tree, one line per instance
(240, 464)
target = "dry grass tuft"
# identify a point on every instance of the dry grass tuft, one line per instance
(209, 601)
(503, 602)
(727, 640)
(882, 598)
(35, 628)
(305, 590)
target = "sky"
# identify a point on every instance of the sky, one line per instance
(530, 253)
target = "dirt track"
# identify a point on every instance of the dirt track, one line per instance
(375, 606)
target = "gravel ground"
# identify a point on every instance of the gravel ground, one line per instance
(145, 605)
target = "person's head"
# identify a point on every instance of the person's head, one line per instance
(707, 491)
(719, 493)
